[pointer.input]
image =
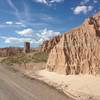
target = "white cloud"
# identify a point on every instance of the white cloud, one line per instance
(84, 2)
(25, 32)
(18, 23)
(9, 22)
(13, 24)
(90, 8)
(42, 1)
(16, 40)
(41, 36)
(46, 17)
(52, 1)
(82, 9)
(46, 34)
(95, 1)
(11, 40)
(48, 1)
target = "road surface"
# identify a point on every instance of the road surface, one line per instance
(15, 86)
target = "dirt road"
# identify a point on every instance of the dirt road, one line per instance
(15, 86)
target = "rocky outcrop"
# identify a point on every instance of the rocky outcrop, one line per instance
(49, 44)
(26, 47)
(78, 51)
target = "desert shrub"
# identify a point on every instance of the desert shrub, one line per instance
(24, 58)
(40, 57)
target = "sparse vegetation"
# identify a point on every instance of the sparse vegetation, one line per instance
(25, 58)
(40, 57)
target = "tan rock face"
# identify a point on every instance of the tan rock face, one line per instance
(78, 51)
(49, 44)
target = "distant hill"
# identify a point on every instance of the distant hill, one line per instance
(10, 51)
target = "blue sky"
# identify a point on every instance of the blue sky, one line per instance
(39, 20)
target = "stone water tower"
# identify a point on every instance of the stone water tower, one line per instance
(26, 47)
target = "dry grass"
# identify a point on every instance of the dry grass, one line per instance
(37, 57)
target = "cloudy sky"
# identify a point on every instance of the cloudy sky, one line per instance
(39, 20)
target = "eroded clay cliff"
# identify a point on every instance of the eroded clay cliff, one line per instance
(49, 44)
(78, 51)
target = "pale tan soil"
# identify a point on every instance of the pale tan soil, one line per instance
(80, 87)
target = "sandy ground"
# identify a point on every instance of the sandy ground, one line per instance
(80, 87)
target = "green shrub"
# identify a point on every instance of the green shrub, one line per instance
(40, 57)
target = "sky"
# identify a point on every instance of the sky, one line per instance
(35, 21)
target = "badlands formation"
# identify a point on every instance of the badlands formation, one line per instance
(77, 51)
(49, 44)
